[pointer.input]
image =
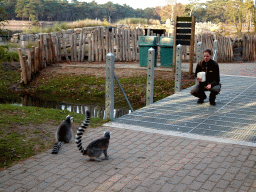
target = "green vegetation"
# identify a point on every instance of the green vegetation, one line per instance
(6, 55)
(30, 45)
(25, 133)
(7, 78)
(71, 87)
(2, 18)
(60, 26)
(133, 21)
(56, 10)
(139, 21)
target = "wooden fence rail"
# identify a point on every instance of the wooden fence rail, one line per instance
(93, 45)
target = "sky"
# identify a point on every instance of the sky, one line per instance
(139, 3)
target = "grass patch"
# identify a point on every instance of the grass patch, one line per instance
(64, 25)
(73, 87)
(7, 78)
(91, 89)
(25, 133)
(6, 55)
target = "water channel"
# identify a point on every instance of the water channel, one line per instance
(28, 100)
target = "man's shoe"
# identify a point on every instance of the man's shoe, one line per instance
(200, 101)
(212, 99)
(212, 103)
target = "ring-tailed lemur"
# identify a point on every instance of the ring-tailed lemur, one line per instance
(95, 149)
(63, 134)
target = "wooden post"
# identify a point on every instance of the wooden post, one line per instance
(52, 51)
(59, 48)
(90, 48)
(83, 47)
(118, 45)
(72, 47)
(29, 65)
(33, 60)
(23, 68)
(107, 42)
(129, 44)
(99, 43)
(133, 44)
(56, 48)
(93, 46)
(125, 45)
(48, 50)
(64, 46)
(80, 46)
(103, 36)
(174, 43)
(36, 59)
(39, 64)
(191, 52)
(121, 44)
(75, 47)
(42, 50)
(96, 44)
(136, 44)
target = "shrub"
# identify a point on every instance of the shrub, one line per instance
(56, 27)
(30, 45)
(133, 21)
(6, 55)
(64, 25)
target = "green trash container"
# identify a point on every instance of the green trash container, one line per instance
(145, 43)
(166, 51)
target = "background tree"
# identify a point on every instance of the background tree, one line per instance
(170, 11)
(2, 18)
(9, 7)
(20, 8)
(249, 4)
(110, 8)
(215, 10)
(235, 13)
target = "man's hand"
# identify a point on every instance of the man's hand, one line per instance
(208, 86)
(199, 79)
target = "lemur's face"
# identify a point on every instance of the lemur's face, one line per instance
(71, 118)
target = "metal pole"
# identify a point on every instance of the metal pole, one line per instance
(178, 68)
(109, 98)
(199, 52)
(150, 76)
(119, 84)
(215, 50)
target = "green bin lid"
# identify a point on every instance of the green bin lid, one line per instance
(148, 41)
(166, 42)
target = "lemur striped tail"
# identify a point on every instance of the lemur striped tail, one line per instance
(80, 133)
(56, 147)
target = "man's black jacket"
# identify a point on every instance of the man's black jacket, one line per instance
(212, 72)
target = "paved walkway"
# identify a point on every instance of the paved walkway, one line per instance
(142, 160)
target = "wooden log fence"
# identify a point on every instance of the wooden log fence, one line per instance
(75, 46)
(225, 48)
(93, 45)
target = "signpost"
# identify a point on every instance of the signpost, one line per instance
(184, 34)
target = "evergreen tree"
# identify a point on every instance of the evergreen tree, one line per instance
(2, 18)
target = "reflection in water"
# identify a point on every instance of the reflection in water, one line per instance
(95, 110)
